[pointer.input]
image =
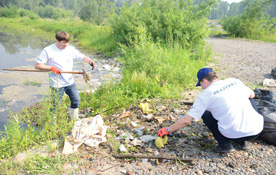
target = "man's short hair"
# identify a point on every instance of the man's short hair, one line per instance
(62, 36)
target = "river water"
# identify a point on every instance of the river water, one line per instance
(22, 89)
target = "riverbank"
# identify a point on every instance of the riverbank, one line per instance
(192, 143)
(19, 89)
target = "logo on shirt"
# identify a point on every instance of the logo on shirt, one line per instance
(224, 88)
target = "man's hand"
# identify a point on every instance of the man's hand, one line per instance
(162, 132)
(55, 70)
(91, 64)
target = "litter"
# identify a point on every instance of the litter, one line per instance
(269, 82)
(146, 138)
(89, 131)
(160, 142)
(267, 107)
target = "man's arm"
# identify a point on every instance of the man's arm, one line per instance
(180, 123)
(42, 66)
(89, 61)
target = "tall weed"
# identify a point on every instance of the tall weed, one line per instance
(173, 65)
(32, 126)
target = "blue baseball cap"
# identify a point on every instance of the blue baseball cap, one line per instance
(201, 73)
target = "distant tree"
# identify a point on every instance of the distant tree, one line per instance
(253, 22)
(272, 9)
(235, 9)
(219, 10)
(97, 11)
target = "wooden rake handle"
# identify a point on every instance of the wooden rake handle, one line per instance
(34, 70)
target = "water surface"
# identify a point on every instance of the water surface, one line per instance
(17, 50)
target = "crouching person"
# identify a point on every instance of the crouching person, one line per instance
(227, 109)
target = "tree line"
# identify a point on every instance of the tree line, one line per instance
(99, 11)
(223, 9)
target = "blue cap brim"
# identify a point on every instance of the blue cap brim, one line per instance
(198, 84)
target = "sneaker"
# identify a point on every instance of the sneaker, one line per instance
(244, 145)
(228, 148)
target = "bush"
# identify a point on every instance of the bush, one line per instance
(10, 12)
(163, 19)
(173, 64)
(252, 23)
(52, 12)
(27, 13)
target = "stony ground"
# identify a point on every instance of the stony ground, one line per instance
(192, 147)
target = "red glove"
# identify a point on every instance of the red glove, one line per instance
(162, 132)
(55, 70)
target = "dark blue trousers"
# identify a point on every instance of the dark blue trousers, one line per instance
(71, 91)
(212, 124)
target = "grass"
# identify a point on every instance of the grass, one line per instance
(38, 164)
(31, 83)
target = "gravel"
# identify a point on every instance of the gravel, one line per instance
(248, 60)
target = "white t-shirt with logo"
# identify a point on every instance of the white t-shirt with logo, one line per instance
(63, 60)
(228, 101)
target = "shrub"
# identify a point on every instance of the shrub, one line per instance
(52, 12)
(10, 12)
(252, 23)
(164, 19)
(27, 13)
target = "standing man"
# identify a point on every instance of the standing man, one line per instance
(59, 57)
(227, 109)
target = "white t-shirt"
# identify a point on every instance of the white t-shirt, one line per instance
(63, 60)
(228, 101)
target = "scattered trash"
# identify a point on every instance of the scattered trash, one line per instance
(160, 142)
(144, 105)
(125, 136)
(267, 107)
(134, 124)
(107, 67)
(89, 131)
(263, 94)
(136, 142)
(160, 119)
(139, 131)
(269, 82)
(144, 160)
(125, 114)
(146, 138)
(156, 153)
(122, 148)
(161, 108)
(148, 117)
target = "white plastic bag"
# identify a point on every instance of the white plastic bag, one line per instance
(89, 131)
